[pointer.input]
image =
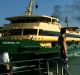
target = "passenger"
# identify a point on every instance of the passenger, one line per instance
(4, 63)
(63, 46)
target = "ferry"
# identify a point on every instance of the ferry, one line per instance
(36, 37)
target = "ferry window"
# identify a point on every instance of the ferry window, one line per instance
(40, 32)
(39, 19)
(43, 32)
(48, 33)
(21, 21)
(6, 33)
(27, 20)
(43, 19)
(16, 32)
(13, 21)
(53, 20)
(29, 31)
(32, 19)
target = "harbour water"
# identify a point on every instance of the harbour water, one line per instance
(74, 65)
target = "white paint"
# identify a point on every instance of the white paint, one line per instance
(4, 57)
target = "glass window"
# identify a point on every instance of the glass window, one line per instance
(40, 32)
(12, 32)
(16, 32)
(54, 20)
(43, 19)
(6, 33)
(29, 31)
(32, 19)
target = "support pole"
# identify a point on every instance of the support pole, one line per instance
(39, 68)
(57, 69)
(47, 67)
(61, 70)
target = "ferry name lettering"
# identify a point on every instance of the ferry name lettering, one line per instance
(9, 42)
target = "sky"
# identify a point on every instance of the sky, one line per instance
(61, 8)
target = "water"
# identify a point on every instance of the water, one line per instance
(74, 65)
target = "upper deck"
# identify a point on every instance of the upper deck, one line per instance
(32, 22)
(31, 19)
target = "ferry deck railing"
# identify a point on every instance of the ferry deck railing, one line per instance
(38, 67)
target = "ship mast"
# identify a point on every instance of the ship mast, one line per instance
(29, 9)
(66, 21)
